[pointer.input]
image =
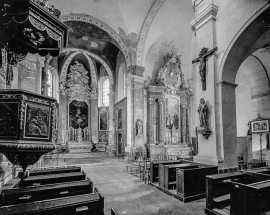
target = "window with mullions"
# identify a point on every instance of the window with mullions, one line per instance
(105, 92)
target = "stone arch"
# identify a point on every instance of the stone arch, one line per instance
(68, 60)
(145, 28)
(94, 21)
(241, 46)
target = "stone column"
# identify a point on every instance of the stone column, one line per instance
(150, 118)
(135, 105)
(204, 26)
(184, 124)
(228, 141)
(111, 144)
(63, 118)
(161, 121)
(94, 120)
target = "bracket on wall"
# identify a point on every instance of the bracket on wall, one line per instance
(206, 132)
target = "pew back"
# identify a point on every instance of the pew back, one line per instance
(191, 182)
(52, 178)
(56, 170)
(44, 192)
(80, 204)
(154, 168)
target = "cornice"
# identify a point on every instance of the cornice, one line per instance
(208, 14)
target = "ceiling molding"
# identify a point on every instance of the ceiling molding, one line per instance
(102, 25)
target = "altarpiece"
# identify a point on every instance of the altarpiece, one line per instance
(168, 108)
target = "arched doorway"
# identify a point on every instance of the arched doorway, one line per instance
(250, 38)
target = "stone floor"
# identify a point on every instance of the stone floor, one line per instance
(128, 194)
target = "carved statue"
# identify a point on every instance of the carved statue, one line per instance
(139, 127)
(203, 113)
(203, 56)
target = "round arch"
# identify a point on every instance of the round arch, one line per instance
(86, 53)
(102, 25)
(241, 46)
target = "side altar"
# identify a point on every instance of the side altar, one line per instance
(168, 109)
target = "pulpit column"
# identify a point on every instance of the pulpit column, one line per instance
(111, 145)
(161, 121)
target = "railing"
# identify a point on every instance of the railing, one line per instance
(252, 164)
(75, 135)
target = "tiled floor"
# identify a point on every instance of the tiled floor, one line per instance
(129, 195)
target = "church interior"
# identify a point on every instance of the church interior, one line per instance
(134, 107)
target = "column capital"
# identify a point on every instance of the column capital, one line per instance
(151, 100)
(135, 70)
(205, 16)
(160, 101)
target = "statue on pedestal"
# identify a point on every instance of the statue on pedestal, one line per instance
(203, 111)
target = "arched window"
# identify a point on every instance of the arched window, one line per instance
(105, 92)
(121, 82)
(50, 83)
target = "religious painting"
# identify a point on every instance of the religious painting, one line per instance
(120, 118)
(9, 113)
(103, 137)
(103, 121)
(78, 114)
(172, 113)
(37, 123)
(259, 126)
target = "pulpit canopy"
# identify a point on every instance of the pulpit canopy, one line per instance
(30, 26)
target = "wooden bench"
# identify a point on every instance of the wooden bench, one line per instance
(56, 170)
(86, 204)
(191, 182)
(44, 192)
(252, 199)
(154, 168)
(167, 174)
(218, 189)
(52, 178)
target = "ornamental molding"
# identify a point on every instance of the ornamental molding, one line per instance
(227, 84)
(135, 70)
(94, 21)
(145, 29)
(208, 14)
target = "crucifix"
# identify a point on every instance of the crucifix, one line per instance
(203, 56)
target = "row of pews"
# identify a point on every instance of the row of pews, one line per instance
(183, 179)
(60, 191)
(238, 193)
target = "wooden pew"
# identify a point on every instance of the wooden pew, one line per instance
(86, 204)
(252, 199)
(218, 189)
(154, 168)
(191, 182)
(44, 192)
(167, 173)
(52, 178)
(114, 212)
(56, 170)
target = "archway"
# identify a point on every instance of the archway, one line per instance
(247, 41)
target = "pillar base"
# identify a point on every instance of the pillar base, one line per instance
(210, 160)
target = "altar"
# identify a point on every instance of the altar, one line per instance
(168, 108)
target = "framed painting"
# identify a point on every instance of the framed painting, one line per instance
(259, 126)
